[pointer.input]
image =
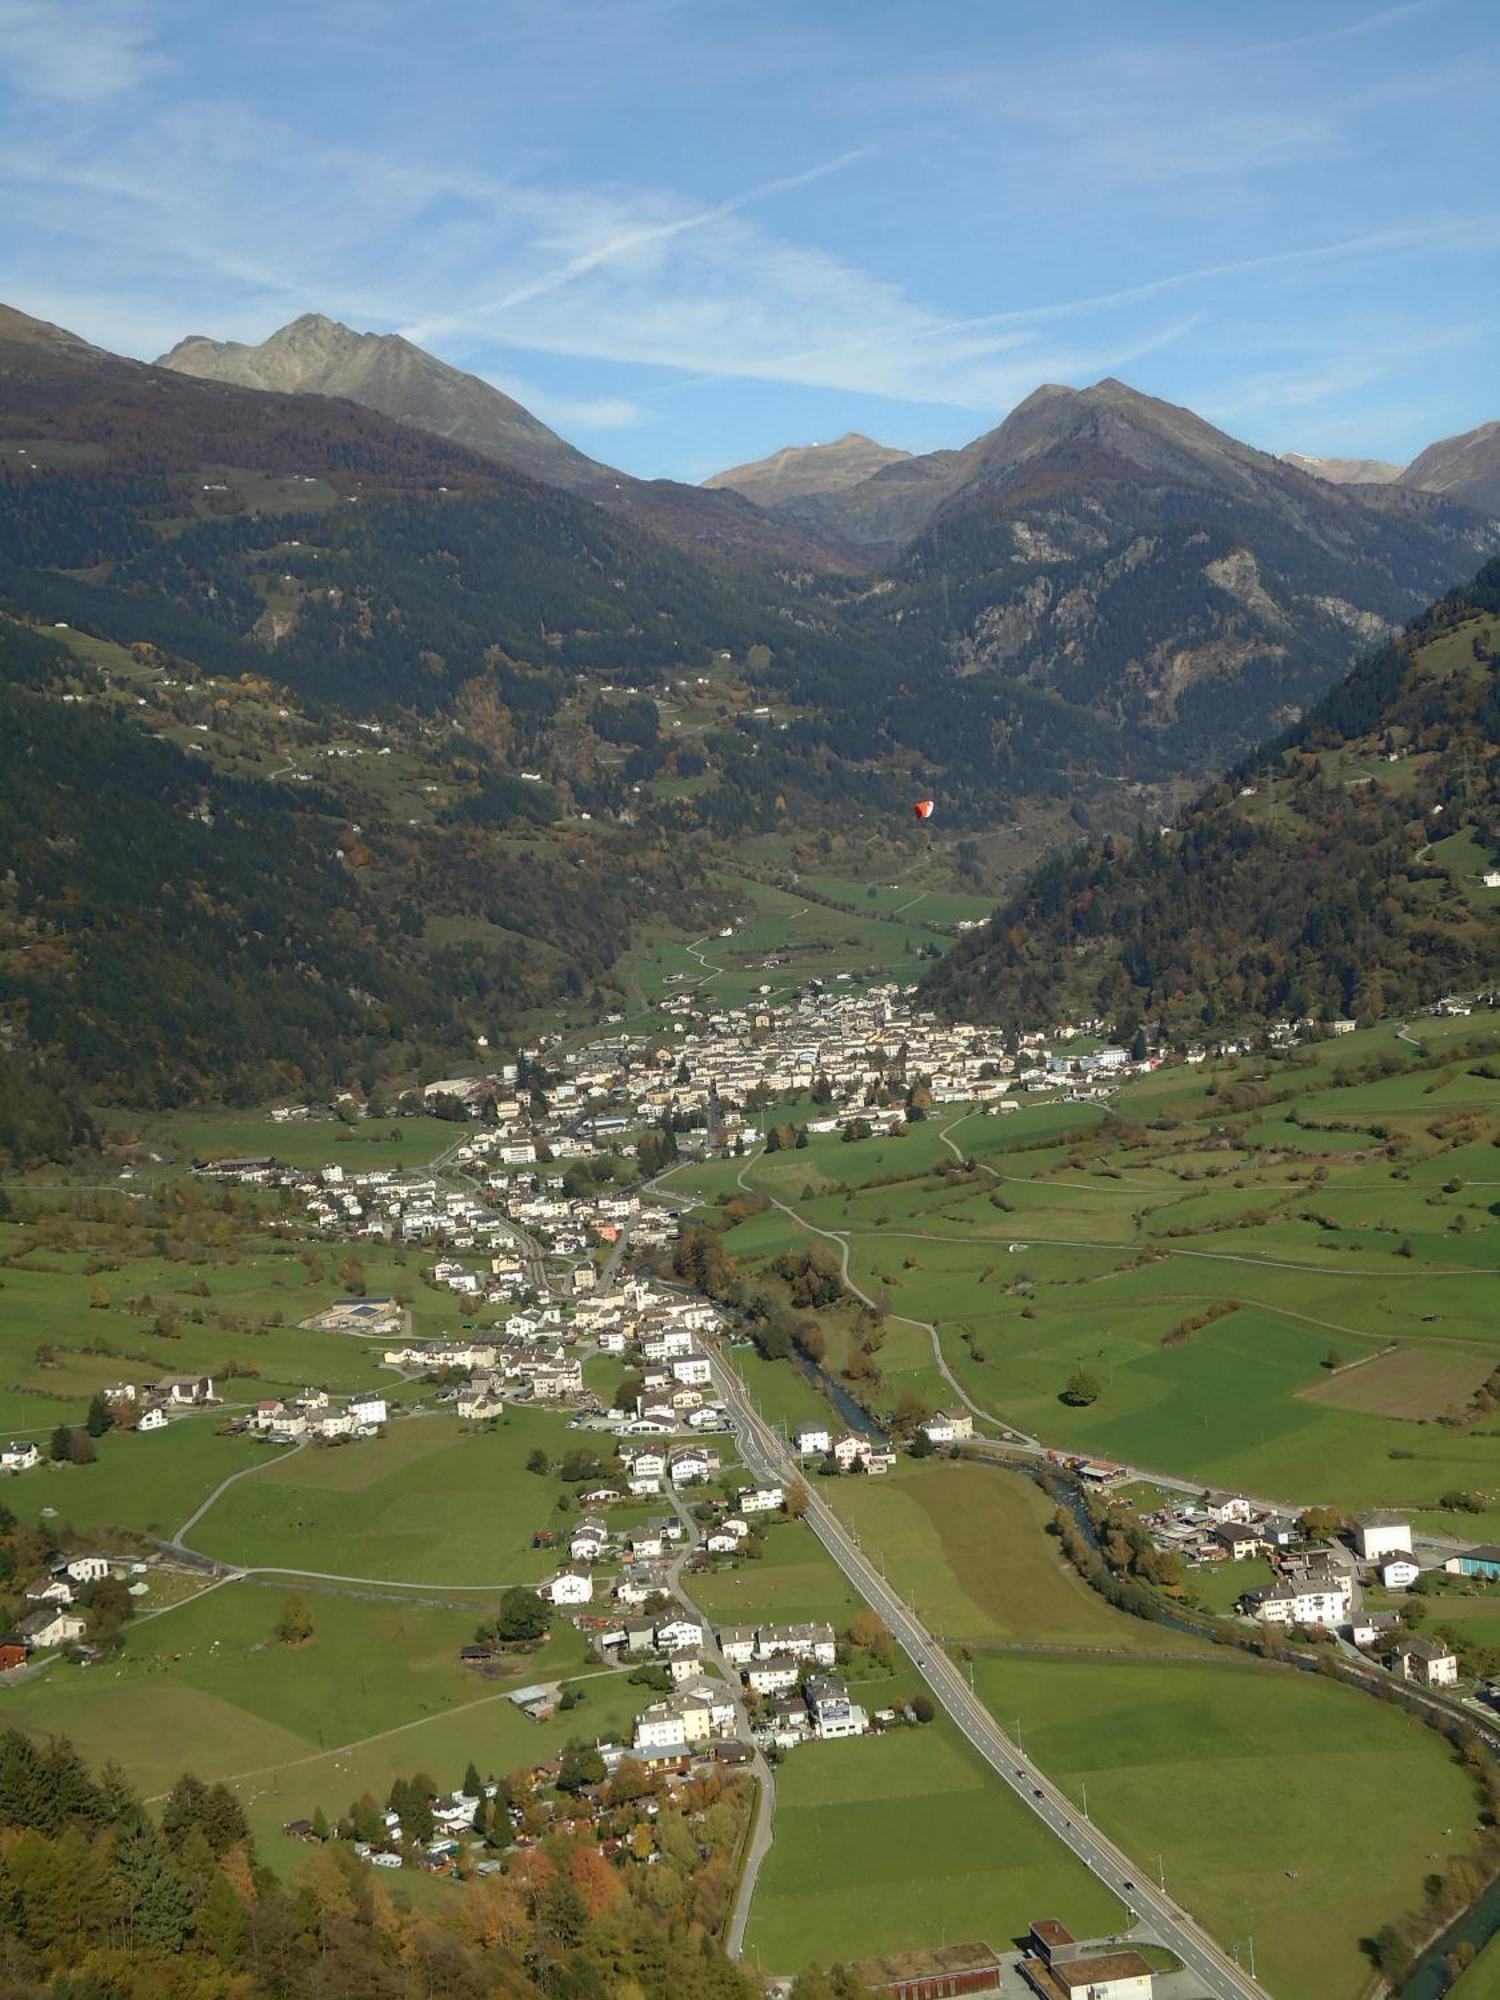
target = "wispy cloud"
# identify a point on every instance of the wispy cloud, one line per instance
(76, 51)
(630, 240)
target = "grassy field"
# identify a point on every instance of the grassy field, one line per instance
(1346, 1216)
(1282, 1807)
(966, 1544)
(429, 1502)
(1482, 1980)
(793, 1582)
(376, 1691)
(885, 1843)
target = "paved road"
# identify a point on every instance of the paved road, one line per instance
(762, 1829)
(768, 1457)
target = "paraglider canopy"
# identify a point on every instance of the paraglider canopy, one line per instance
(922, 809)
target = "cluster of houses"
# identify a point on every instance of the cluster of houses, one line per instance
(843, 1451)
(381, 1204)
(318, 1417)
(1317, 1584)
(642, 1548)
(532, 1358)
(137, 1406)
(56, 1617)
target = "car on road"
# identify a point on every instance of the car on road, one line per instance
(1036, 1791)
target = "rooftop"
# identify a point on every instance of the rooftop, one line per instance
(896, 1966)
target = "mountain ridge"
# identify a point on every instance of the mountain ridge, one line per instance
(316, 355)
(1339, 871)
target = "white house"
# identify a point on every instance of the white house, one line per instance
(569, 1586)
(833, 1713)
(678, 1635)
(367, 1409)
(759, 1499)
(54, 1625)
(949, 1427)
(775, 1675)
(87, 1569)
(813, 1440)
(19, 1456)
(1379, 1535)
(1304, 1604)
(1425, 1662)
(587, 1541)
(737, 1643)
(1400, 1573)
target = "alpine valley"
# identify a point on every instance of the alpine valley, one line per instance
(352, 714)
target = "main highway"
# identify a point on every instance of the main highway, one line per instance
(767, 1456)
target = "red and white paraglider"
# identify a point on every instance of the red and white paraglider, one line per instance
(922, 809)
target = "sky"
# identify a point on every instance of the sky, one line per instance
(688, 232)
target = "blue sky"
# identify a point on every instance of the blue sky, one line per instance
(688, 231)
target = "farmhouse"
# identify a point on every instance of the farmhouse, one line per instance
(949, 1427)
(52, 1626)
(19, 1457)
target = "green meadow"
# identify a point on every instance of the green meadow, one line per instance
(1361, 1271)
(1280, 1806)
(430, 1502)
(890, 1842)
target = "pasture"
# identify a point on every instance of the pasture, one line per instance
(885, 1843)
(1282, 1806)
(966, 1543)
(429, 1503)
(795, 1581)
(1074, 1241)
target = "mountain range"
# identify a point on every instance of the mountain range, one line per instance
(1074, 620)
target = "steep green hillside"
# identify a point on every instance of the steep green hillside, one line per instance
(1339, 873)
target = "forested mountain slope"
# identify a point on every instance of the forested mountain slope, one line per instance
(1340, 872)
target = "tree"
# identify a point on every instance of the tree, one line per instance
(473, 1783)
(538, 1461)
(922, 1707)
(921, 1445)
(81, 1448)
(581, 1765)
(295, 1625)
(795, 1499)
(57, 1448)
(1081, 1389)
(522, 1615)
(220, 1922)
(100, 1417)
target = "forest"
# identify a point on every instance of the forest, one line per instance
(1290, 888)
